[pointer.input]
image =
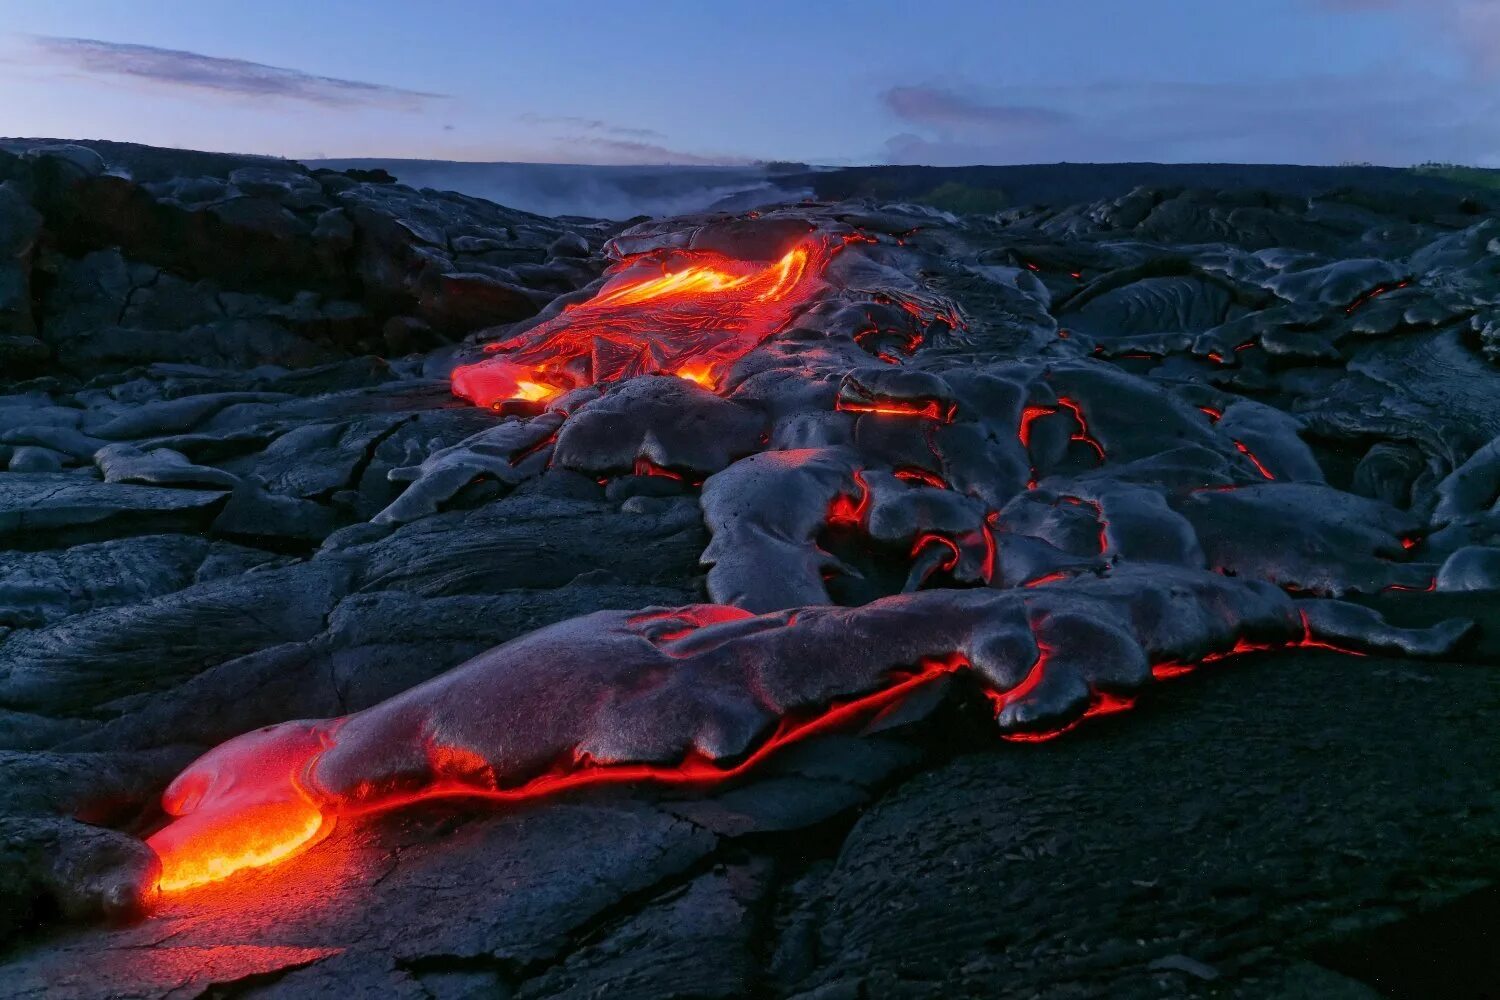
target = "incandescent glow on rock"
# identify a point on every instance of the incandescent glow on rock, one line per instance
(690, 313)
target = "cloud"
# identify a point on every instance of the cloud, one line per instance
(239, 77)
(591, 125)
(1436, 99)
(606, 150)
(945, 110)
(1378, 118)
(577, 139)
(1476, 26)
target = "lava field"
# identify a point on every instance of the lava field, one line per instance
(407, 595)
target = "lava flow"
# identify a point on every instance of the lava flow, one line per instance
(690, 313)
(267, 795)
(251, 803)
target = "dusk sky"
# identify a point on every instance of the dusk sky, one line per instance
(942, 81)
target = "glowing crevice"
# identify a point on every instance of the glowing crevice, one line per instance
(930, 409)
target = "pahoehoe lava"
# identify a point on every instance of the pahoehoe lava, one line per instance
(327, 497)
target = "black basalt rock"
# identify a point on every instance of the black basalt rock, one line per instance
(725, 681)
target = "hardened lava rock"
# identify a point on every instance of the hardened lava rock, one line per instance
(739, 489)
(1057, 528)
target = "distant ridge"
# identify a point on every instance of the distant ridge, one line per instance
(623, 192)
(1071, 183)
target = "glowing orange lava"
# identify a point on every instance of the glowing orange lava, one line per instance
(689, 313)
(261, 838)
(243, 827)
(698, 375)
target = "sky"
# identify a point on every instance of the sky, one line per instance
(945, 82)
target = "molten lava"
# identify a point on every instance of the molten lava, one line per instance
(689, 313)
(242, 827)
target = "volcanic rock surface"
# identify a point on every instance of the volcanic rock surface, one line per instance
(747, 637)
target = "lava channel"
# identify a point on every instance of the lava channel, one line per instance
(689, 313)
